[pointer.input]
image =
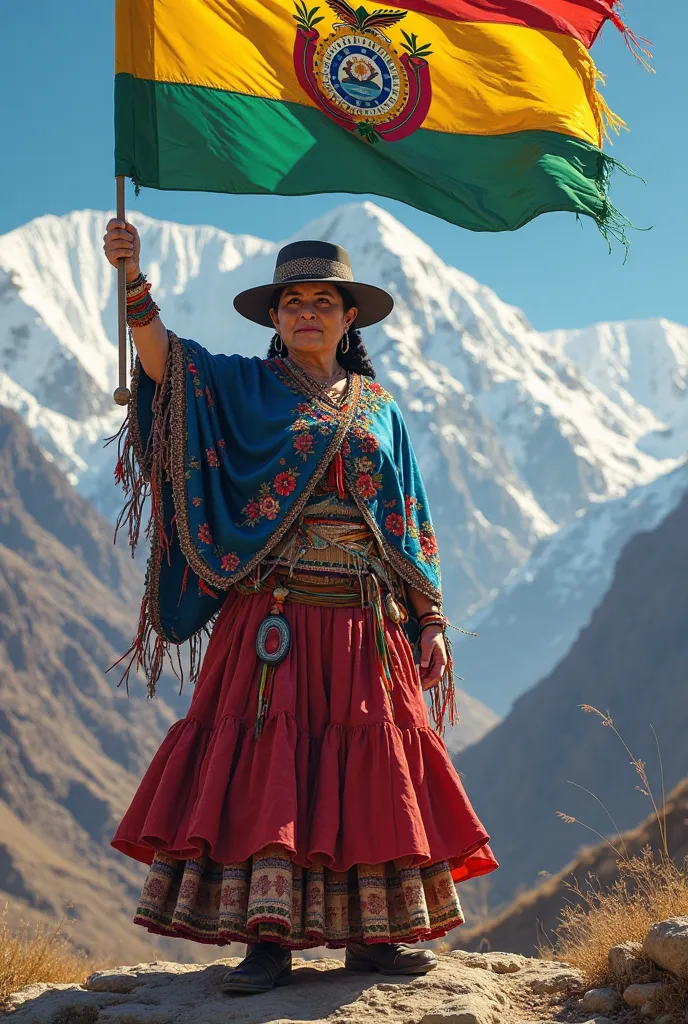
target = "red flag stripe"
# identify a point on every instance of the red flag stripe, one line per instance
(582, 19)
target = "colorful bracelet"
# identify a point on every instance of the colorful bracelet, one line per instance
(137, 285)
(439, 621)
(432, 619)
(141, 309)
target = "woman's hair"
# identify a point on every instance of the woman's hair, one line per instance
(356, 359)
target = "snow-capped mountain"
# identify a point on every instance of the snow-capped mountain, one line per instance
(512, 437)
(526, 630)
(642, 365)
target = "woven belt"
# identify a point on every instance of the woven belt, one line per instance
(342, 594)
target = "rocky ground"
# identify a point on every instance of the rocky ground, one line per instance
(466, 988)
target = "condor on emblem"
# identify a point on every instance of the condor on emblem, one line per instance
(357, 76)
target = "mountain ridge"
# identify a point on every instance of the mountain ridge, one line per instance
(512, 438)
(630, 661)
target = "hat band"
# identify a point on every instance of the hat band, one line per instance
(311, 265)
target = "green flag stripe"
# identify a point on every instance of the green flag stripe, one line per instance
(172, 136)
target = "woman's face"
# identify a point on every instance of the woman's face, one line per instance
(311, 317)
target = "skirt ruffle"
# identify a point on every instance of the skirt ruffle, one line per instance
(342, 774)
(271, 898)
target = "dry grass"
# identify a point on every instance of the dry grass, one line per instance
(38, 954)
(649, 888)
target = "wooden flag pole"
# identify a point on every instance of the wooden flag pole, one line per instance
(122, 394)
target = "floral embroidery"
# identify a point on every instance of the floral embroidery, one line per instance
(212, 458)
(197, 502)
(445, 889)
(262, 885)
(230, 562)
(395, 524)
(367, 481)
(155, 888)
(269, 507)
(310, 420)
(187, 889)
(411, 505)
(304, 445)
(428, 542)
(285, 483)
(373, 397)
(193, 370)
(269, 896)
(221, 443)
(209, 397)
(194, 462)
(231, 896)
(252, 512)
(204, 534)
(369, 443)
(265, 505)
(365, 485)
(315, 895)
(376, 903)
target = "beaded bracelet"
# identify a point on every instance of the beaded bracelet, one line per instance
(442, 625)
(141, 309)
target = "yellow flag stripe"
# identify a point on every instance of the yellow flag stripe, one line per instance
(487, 78)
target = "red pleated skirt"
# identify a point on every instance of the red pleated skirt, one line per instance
(342, 774)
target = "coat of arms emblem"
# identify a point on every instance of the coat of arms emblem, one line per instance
(357, 76)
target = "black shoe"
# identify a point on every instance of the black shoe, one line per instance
(265, 966)
(389, 958)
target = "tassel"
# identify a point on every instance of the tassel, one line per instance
(185, 580)
(135, 486)
(443, 696)
(150, 652)
(335, 476)
(265, 685)
(381, 646)
(204, 588)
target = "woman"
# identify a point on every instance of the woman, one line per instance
(304, 800)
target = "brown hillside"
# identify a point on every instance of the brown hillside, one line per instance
(534, 916)
(72, 746)
(631, 659)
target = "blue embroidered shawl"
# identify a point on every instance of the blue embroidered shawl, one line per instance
(232, 448)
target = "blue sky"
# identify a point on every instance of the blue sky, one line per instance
(56, 73)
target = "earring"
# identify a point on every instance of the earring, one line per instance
(345, 343)
(279, 344)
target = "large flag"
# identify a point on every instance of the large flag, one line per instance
(483, 112)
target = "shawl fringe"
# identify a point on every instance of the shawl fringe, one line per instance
(140, 475)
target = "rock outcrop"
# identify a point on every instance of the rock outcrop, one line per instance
(667, 944)
(466, 988)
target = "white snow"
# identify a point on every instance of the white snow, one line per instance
(516, 431)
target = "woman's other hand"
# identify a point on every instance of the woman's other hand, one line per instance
(121, 239)
(433, 656)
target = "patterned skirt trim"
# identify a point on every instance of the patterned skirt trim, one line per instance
(270, 898)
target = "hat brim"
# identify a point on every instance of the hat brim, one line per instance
(373, 304)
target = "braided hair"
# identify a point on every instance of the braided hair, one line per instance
(356, 360)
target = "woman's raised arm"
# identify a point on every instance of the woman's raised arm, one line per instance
(121, 239)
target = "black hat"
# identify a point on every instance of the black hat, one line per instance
(315, 261)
